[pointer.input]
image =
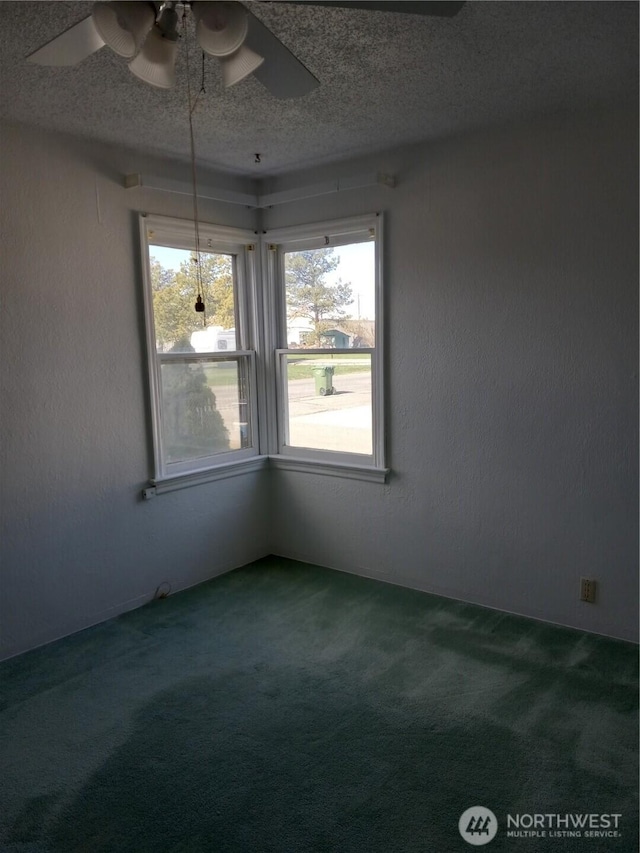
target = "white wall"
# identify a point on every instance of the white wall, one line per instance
(512, 275)
(512, 386)
(77, 543)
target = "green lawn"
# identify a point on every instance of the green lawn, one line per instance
(328, 356)
(217, 376)
(305, 371)
(298, 368)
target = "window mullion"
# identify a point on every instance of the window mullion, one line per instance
(379, 454)
(271, 329)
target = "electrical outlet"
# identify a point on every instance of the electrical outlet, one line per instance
(587, 590)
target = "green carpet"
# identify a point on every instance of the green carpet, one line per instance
(285, 707)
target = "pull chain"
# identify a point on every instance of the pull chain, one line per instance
(199, 306)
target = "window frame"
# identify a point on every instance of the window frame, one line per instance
(241, 244)
(299, 238)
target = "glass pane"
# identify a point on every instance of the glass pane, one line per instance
(175, 287)
(330, 296)
(329, 402)
(204, 408)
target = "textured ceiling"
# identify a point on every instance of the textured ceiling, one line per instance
(386, 80)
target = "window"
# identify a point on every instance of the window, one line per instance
(290, 370)
(327, 285)
(202, 364)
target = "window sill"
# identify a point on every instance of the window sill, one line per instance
(330, 469)
(368, 473)
(209, 475)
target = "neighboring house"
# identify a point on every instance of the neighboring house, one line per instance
(337, 338)
(297, 329)
(213, 339)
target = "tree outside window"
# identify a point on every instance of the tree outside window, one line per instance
(310, 297)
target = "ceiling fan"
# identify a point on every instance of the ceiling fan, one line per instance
(146, 34)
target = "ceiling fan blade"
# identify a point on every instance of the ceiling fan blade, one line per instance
(440, 8)
(281, 72)
(71, 47)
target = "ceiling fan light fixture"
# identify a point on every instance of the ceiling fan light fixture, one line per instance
(123, 26)
(156, 62)
(221, 27)
(239, 65)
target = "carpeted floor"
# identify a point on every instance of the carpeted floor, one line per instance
(289, 708)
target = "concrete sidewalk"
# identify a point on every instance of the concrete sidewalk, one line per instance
(340, 422)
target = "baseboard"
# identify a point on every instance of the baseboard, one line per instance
(122, 607)
(416, 584)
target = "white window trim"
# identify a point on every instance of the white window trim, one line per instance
(345, 470)
(317, 455)
(209, 475)
(275, 243)
(179, 234)
(173, 469)
(278, 463)
(261, 311)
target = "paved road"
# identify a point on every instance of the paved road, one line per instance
(340, 421)
(352, 389)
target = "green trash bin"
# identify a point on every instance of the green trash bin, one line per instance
(324, 380)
